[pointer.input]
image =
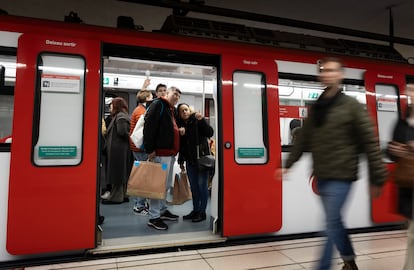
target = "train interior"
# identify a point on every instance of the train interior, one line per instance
(123, 77)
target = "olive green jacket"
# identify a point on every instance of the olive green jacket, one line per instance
(335, 145)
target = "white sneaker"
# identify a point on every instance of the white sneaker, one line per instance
(106, 195)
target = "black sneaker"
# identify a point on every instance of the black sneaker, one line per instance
(350, 265)
(190, 216)
(199, 217)
(157, 223)
(167, 215)
(101, 220)
(142, 211)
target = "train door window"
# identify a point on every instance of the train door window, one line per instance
(7, 81)
(58, 116)
(249, 97)
(296, 97)
(387, 112)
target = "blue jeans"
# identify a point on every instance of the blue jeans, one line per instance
(333, 194)
(199, 187)
(140, 156)
(159, 206)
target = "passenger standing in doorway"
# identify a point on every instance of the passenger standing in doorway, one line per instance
(144, 96)
(160, 90)
(402, 145)
(119, 158)
(337, 131)
(161, 143)
(196, 132)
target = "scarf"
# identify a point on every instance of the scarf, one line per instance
(321, 107)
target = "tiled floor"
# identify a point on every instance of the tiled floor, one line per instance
(376, 251)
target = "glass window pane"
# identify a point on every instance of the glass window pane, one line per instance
(7, 81)
(59, 110)
(249, 99)
(296, 96)
(387, 112)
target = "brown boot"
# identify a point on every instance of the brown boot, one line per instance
(350, 265)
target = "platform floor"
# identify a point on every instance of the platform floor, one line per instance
(376, 251)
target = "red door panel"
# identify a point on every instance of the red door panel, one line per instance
(383, 209)
(252, 198)
(52, 208)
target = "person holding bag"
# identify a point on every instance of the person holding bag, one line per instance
(144, 97)
(161, 143)
(401, 149)
(193, 144)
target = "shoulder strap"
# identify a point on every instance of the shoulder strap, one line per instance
(162, 106)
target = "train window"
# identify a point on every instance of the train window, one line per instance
(387, 112)
(295, 98)
(58, 107)
(7, 81)
(6, 118)
(249, 97)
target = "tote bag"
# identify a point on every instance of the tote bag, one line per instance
(147, 180)
(137, 135)
(181, 190)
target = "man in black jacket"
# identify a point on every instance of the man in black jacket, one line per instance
(161, 143)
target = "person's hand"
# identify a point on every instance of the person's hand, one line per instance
(410, 146)
(198, 116)
(151, 156)
(181, 131)
(279, 172)
(375, 191)
(397, 149)
(146, 83)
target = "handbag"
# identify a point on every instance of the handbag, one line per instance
(404, 171)
(181, 190)
(147, 180)
(205, 160)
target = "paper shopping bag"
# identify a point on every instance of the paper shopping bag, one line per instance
(181, 191)
(404, 172)
(147, 180)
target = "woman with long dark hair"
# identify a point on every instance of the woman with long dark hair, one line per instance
(193, 143)
(118, 152)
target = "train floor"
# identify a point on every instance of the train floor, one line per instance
(121, 221)
(376, 251)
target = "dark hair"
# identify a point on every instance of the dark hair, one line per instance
(159, 86)
(180, 121)
(178, 108)
(119, 105)
(331, 59)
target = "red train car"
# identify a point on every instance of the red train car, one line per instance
(56, 78)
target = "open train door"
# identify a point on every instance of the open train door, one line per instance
(252, 198)
(52, 191)
(383, 90)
